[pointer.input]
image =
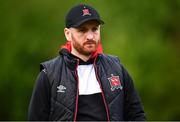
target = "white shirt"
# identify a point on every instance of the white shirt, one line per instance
(88, 83)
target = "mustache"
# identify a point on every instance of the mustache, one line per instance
(90, 42)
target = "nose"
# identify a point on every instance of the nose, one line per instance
(90, 35)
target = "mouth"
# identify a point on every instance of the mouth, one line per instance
(89, 43)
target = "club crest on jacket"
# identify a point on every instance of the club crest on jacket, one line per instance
(115, 82)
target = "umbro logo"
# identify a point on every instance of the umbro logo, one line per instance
(61, 88)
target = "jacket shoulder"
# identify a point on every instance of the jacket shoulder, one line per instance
(50, 64)
(111, 58)
(51, 68)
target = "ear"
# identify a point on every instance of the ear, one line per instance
(67, 33)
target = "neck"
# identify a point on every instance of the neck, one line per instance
(81, 56)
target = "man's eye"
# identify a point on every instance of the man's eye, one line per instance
(82, 30)
(94, 29)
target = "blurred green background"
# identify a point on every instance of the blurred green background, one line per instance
(145, 34)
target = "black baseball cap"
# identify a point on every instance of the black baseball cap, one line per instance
(81, 13)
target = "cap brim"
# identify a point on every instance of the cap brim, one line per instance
(88, 19)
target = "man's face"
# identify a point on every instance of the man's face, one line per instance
(85, 38)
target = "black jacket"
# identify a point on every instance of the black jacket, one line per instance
(121, 99)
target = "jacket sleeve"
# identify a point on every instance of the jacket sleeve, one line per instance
(133, 107)
(39, 107)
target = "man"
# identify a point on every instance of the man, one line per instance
(82, 83)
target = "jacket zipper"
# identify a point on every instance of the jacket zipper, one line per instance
(104, 100)
(77, 93)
